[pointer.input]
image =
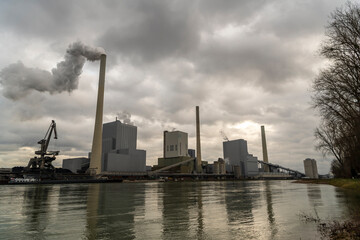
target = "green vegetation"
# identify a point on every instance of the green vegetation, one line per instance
(353, 184)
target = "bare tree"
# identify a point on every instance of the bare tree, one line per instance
(337, 92)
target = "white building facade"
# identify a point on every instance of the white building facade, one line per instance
(175, 144)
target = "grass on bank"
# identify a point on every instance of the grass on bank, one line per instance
(353, 184)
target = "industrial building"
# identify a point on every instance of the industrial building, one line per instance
(311, 168)
(191, 153)
(237, 153)
(175, 144)
(175, 150)
(119, 153)
(76, 164)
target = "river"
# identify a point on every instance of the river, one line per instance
(170, 210)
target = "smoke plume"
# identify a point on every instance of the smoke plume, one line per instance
(18, 80)
(125, 117)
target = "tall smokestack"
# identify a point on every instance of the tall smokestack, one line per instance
(198, 145)
(96, 150)
(264, 148)
(164, 144)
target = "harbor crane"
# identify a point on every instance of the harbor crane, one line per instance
(43, 162)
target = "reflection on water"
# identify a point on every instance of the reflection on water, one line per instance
(36, 209)
(111, 210)
(270, 210)
(187, 210)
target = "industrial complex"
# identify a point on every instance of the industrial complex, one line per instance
(121, 158)
(114, 154)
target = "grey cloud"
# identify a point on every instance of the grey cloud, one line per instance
(161, 30)
(159, 68)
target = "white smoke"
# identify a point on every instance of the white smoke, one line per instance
(18, 80)
(125, 117)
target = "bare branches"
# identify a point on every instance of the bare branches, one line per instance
(337, 91)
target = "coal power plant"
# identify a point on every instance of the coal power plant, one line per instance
(114, 155)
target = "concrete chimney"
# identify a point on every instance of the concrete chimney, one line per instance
(198, 145)
(264, 148)
(164, 148)
(96, 150)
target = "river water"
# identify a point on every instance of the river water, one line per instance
(170, 210)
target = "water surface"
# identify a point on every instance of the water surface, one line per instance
(171, 210)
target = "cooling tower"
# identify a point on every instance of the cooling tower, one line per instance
(264, 148)
(198, 145)
(95, 159)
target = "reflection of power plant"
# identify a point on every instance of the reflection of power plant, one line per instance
(119, 203)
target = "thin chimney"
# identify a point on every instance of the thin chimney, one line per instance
(198, 145)
(264, 148)
(96, 150)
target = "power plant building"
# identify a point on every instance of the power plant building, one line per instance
(237, 153)
(76, 164)
(175, 144)
(119, 151)
(175, 150)
(311, 168)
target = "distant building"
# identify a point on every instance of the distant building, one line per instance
(252, 165)
(311, 168)
(119, 151)
(219, 166)
(237, 153)
(76, 164)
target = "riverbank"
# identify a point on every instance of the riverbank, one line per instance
(349, 229)
(352, 184)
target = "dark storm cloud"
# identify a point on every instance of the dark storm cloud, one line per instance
(161, 29)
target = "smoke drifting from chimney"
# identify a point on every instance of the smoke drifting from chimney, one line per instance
(18, 80)
(125, 117)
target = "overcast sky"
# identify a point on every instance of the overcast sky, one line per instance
(245, 63)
